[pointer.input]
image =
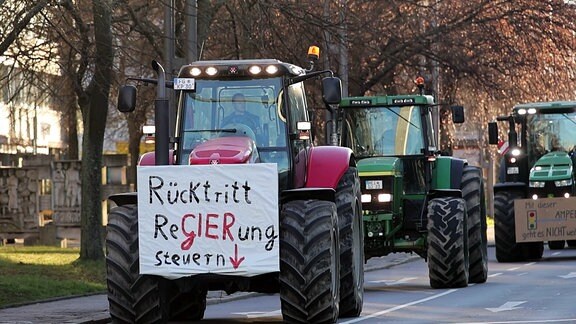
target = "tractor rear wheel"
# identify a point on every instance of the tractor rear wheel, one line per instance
(309, 261)
(507, 249)
(133, 298)
(351, 244)
(447, 257)
(473, 194)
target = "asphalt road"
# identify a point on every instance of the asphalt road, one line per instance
(516, 293)
(94, 308)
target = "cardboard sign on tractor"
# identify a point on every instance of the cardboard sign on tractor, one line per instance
(550, 219)
(208, 219)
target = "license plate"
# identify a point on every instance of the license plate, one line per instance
(373, 184)
(513, 170)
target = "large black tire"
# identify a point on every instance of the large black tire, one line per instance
(309, 262)
(135, 298)
(351, 244)
(556, 245)
(447, 257)
(473, 194)
(188, 306)
(507, 249)
(532, 250)
(571, 243)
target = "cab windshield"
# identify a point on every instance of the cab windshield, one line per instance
(381, 131)
(232, 108)
(550, 133)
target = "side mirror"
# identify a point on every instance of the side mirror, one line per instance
(492, 133)
(457, 114)
(127, 98)
(331, 90)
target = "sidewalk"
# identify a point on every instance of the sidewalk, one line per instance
(94, 308)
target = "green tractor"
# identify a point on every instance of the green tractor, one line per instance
(414, 200)
(537, 169)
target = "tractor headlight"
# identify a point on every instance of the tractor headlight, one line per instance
(211, 71)
(384, 197)
(563, 183)
(537, 184)
(195, 71)
(255, 69)
(271, 69)
(380, 198)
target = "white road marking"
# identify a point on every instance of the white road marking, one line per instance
(568, 276)
(563, 320)
(394, 282)
(390, 310)
(507, 306)
(495, 274)
(261, 314)
(518, 267)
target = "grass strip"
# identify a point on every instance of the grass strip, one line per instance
(35, 273)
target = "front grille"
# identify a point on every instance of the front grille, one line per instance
(387, 187)
(549, 190)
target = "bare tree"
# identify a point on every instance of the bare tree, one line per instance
(487, 54)
(20, 16)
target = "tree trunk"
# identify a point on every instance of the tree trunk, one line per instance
(94, 116)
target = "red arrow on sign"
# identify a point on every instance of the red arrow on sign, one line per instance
(235, 261)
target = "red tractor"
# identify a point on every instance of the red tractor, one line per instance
(236, 119)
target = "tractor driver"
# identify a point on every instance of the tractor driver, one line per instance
(240, 115)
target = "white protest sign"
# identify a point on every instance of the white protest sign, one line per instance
(208, 219)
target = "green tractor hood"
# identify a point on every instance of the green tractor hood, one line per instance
(552, 166)
(380, 166)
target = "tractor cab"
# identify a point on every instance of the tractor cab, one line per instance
(239, 112)
(544, 157)
(389, 126)
(394, 136)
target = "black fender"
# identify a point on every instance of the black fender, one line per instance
(435, 193)
(328, 194)
(126, 198)
(519, 187)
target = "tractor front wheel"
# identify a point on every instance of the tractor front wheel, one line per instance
(133, 298)
(136, 298)
(507, 249)
(309, 261)
(448, 261)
